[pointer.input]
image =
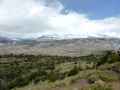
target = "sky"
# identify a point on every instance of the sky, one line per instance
(60, 18)
(95, 9)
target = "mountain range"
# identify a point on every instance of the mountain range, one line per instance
(54, 46)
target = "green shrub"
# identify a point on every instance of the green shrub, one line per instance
(19, 82)
(53, 76)
(114, 58)
(108, 76)
(92, 78)
(100, 87)
(74, 71)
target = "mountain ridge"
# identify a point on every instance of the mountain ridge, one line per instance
(60, 47)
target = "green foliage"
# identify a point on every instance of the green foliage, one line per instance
(106, 76)
(92, 78)
(20, 70)
(74, 71)
(3, 85)
(53, 76)
(115, 57)
(99, 87)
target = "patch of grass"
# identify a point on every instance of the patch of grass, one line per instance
(99, 87)
(107, 76)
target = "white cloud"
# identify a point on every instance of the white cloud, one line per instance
(26, 18)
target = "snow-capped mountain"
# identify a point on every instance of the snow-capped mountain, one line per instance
(52, 45)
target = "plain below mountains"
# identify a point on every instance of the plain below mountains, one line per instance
(61, 47)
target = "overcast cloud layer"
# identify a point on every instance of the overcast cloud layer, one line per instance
(34, 18)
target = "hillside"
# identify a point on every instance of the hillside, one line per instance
(43, 72)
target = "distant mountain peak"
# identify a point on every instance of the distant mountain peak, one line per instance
(6, 40)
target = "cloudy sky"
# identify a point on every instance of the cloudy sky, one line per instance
(63, 18)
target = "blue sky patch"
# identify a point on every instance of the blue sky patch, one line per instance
(95, 9)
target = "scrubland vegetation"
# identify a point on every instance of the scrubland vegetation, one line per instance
(42, 72)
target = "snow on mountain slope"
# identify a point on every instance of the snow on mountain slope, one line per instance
(62, 47)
